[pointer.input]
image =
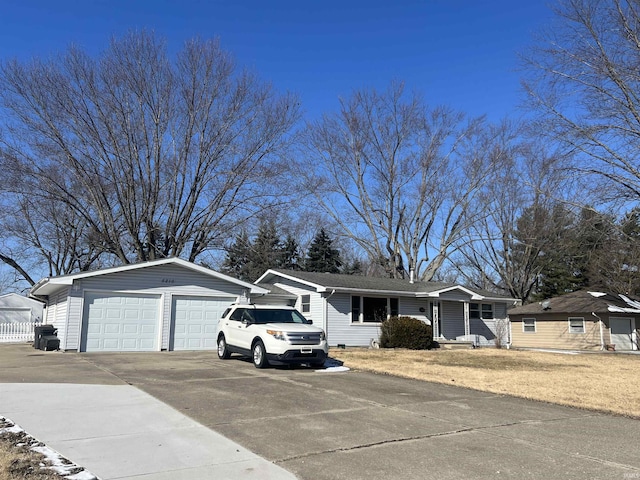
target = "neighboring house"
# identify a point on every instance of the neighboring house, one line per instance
(351, 307)
(580, 320)
(15, 308)
(167, 304)
(18, 317)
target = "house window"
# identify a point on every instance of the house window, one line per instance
(373, 309)
(576, 325)
(355, 309)
(484, 310)
(305, 302)
(529, 325)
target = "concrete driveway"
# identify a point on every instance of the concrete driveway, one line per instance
(356, 425)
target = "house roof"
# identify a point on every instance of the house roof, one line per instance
(276, 291)
(582, 301)
(9, 300)
(327, 282)
(49, 285)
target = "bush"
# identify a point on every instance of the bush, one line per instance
(405, 332)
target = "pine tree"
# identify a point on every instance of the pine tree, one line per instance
(237, 258)
(266, 250)
(321, 256)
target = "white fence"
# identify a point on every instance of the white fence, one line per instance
(17, 332)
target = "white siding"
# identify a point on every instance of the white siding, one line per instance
(161, 280)
(56, 313)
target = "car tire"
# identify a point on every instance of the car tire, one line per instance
(259, 355)
(223, 351)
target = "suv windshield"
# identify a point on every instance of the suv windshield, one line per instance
(269, 316)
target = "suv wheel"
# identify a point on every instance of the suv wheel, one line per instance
(223, 351)
(259, 355)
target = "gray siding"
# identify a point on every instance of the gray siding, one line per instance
(455, 295)
(452, 319)
(163, 280)
(342, 331)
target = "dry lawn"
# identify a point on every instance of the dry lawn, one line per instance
(595, 381)
(18, 462)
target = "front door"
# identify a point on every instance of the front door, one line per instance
(622, 333)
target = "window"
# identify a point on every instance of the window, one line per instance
(373, 309)
(305, 301)
(477, 310)
(529, 325)
(576, 325)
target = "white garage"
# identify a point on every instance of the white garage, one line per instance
(195, 321)
(167, 304)
(115, 322)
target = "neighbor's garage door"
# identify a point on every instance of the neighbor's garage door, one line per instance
(195, 321)
(116, 322)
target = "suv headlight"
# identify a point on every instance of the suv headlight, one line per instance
(323, 336)
(277, 334)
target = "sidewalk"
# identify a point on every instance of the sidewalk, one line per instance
(120, 432)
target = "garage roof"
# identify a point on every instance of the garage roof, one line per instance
(49, 285)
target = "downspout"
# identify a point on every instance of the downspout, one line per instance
(325, 320)
(601, 331)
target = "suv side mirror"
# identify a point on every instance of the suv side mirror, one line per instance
(309, 322)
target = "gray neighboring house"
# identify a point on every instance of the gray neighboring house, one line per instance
(16, 308)
(350, 307)
(167, 304)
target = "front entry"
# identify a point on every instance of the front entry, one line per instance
(622, 333)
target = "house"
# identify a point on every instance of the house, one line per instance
(580, 320)
(351, 308)
(167, 304)
(18, 317)
(16, 308)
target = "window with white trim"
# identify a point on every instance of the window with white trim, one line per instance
(305, 303)
(373, 309)
(529, 325)
(576, 325)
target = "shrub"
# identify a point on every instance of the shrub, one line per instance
(405, 332)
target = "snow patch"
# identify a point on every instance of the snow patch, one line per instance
(56, 462)
(334, 369)
(597, 294)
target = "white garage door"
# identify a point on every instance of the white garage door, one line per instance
(116, 322)
(15, 315)
(195, 321)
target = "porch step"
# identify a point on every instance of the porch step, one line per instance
(455, 344)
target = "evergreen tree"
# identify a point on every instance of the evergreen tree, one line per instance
(321, 256)
(237, 258)
(267, 251)
(291, 259)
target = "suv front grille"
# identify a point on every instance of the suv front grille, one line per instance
(303, 338)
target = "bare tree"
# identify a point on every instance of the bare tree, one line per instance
(398, 178)
(151, 156)
(584, 81)
(503, 250)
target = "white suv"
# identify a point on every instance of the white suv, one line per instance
(271, 333)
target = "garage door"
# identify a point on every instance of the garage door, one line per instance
(195, 321)
(115, 322)
(15, 315)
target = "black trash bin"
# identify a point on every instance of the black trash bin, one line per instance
(41, 331)
(49, 342)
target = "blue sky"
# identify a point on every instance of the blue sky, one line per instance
(461, 53)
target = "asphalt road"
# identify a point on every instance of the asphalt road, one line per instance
(356, 425)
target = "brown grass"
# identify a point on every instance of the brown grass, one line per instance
(17, 462)
(598, 381)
